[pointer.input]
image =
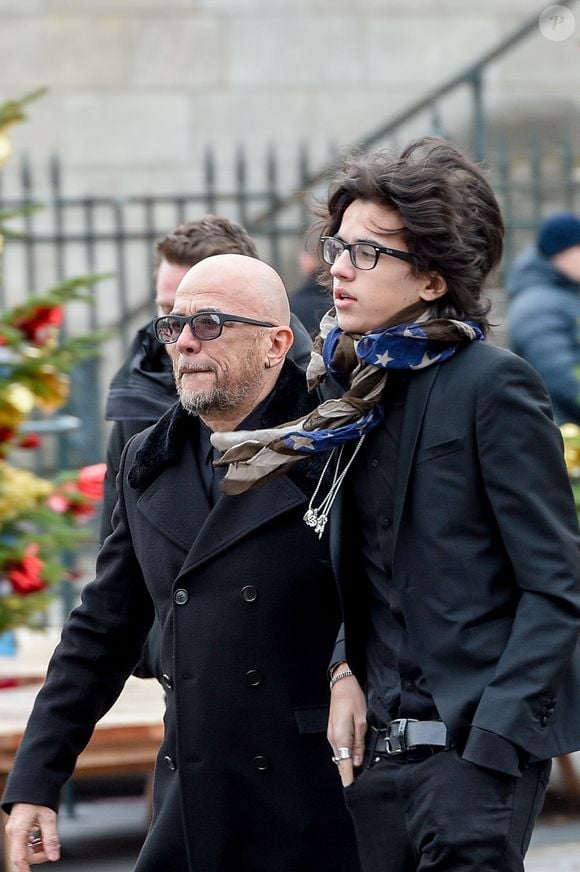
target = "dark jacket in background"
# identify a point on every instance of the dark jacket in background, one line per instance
(309, 303)
(543, 321)
(246, 601)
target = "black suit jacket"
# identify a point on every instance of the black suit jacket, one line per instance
(485, 556)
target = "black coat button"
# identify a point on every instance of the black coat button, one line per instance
(374, 462)
(170, 763)
(253, 677)
(386, 522)
(167, 681)
(261, 763)
(180, 597)
(408, 684)
(249, 593)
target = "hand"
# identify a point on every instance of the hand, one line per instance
(347, 723)
(33, 836)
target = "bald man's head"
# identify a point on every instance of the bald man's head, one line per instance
(225, 378)
(247, 286)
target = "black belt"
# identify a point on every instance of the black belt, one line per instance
(406, 734)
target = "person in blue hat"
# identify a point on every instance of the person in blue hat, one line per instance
(543, 319)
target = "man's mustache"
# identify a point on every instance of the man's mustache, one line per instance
(195, 367)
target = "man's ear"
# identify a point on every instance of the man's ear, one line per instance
(435, 286)
(281, 339)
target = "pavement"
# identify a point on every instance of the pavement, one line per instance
(104, 835)
(555, 846)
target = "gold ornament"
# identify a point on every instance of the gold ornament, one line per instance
(53, 388)
(571, 434)
(20, 398)
(5, 148)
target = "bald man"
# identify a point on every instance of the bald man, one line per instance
(246, 603)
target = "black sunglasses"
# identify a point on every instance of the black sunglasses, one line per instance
(363, 255)
(203, 325)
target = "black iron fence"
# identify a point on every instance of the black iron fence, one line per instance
(70, 236)
(80, 235)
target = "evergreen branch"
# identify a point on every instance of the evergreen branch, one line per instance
(28, 209)
(12, 111)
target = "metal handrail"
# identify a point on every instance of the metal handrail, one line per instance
(471, 74)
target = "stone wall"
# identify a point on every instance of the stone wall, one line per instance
(139, 88)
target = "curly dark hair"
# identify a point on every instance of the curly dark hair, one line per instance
(452, 220)
(192, 241)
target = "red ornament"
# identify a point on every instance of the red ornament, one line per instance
(34, 323)
(30, 441)
(91, 481)
(25, 575)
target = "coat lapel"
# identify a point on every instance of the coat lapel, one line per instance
(177, 506)
(420, 386)
(176, 503)
(235, 517)
(172, 495)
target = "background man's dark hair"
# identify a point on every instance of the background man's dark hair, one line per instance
(192, 241)
(452, 221)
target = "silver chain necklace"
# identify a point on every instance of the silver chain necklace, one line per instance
(317, 516)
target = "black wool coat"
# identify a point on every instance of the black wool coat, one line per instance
(246, 601)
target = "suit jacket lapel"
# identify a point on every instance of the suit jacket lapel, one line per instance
(420, 386)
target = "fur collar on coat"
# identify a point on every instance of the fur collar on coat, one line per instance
(163, 444)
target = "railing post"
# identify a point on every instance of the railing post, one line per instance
(437, 127)
(273, 229)
(504, 187)
(536, 181)
(479, 123)
(568, 174)
(210, 195)
(241, 185)
(26, 187)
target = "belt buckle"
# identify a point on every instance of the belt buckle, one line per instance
(395, 743)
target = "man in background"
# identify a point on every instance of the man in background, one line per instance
(311, 300)
(543, 317)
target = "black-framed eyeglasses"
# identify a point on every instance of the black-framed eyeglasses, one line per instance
(203, 325)
(363, 255)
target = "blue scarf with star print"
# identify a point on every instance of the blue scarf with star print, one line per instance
(361, 365)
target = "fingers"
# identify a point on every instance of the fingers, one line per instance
(358, 746)
(346, 772)
(347, 727)
(33, 836)
(345, 765)
(347, 723)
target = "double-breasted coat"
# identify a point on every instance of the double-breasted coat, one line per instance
(485, 556)
(247, 604)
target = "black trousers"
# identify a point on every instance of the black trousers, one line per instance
(441, 813)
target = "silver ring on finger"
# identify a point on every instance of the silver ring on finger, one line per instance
(344, 753)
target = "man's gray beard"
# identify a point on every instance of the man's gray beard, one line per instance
(216, 400)
(225, 397)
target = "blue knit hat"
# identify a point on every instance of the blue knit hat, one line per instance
(557, 233)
